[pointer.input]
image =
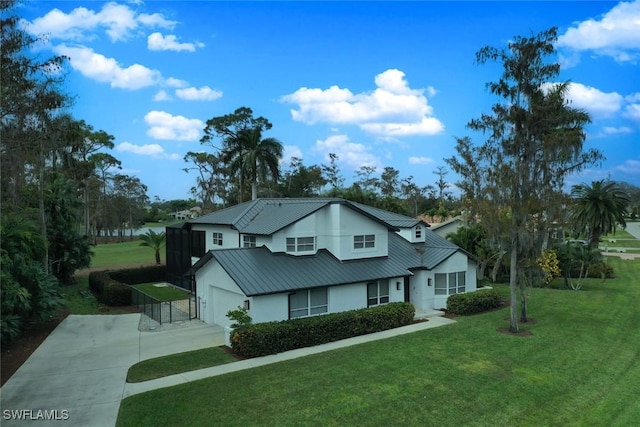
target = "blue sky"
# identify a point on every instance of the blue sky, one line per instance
(379, 84)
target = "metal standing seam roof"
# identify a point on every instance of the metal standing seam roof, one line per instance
(258, 271)
(267, 216)
(391, 218)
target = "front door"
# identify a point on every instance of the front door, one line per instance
(407, 290)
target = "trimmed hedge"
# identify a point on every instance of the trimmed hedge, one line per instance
(109, 291)
(474, 302)
(135, 276)
(261, 339)
(112, 287)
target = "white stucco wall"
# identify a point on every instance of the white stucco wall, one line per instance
(223, 295)
(229, 236)
(423, 296)
(218, 294)
(351, 223)
(334, 227)
(410, 234)
(275, 307)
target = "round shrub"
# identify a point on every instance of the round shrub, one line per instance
(474, 302)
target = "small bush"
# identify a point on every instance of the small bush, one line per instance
(474, 302)
(261, 339)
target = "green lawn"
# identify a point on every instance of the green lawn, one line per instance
(178, 363)
(163, 293)
(619, 234)
(125, 253)
(580, 367)
(620, 243)
(160, 224)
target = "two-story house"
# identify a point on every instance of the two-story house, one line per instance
(288, 258)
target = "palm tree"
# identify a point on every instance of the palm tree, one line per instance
(253, 157)
(155, 241)
(598, 208)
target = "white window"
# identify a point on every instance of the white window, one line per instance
(248, 241)
(364, 241)
(449, 284)
(418, 232)
(377, 292)
(308, 302)
(301, 244)
(217, 239)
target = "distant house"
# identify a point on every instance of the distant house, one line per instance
(450, 226)
(288, 258)
(192, 213)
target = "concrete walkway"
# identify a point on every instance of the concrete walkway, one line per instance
(136, 388)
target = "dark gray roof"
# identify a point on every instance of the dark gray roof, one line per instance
(258, 271)
(266, 216)
(391, 218)
(427, 255)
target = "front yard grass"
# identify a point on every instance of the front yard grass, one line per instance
(177, 363)
(162, 293)
(579, 367)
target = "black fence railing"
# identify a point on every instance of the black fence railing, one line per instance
(165, 311)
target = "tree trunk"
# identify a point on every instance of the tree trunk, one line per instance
(523, 301)
(157, 256)
(254, 190)
(513, 285)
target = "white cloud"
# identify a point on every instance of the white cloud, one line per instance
(153, 150)
(616, 34)
(107, 70)
(414, 160)
(162, 96)
(118, 22)
(352, 154)
(632, 111)
(427, 126)
(634, 97)
(630, 167)
(392, 109)
(173, 82)
(610, 130)
(166, 126)
(594, 101)
(288, 152)
(205, 93)
(156, 41)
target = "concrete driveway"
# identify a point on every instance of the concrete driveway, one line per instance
(77, 376)
(633, 228)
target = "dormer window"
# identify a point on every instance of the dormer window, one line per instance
(217, 239)
(301, 244)
(364, 241)
(418, 232)
(248, 241)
